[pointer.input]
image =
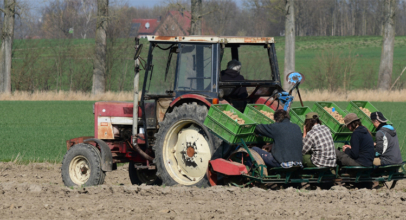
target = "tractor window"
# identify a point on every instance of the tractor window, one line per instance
(195, 68)
(162, 73)
(254, 62)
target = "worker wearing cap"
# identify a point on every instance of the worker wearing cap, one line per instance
(387, 143)
(318, 140)
(361, 151)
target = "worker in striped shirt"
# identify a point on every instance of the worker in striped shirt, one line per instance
(318, 145)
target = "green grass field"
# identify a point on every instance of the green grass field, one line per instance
(67, 64)
(37, 130)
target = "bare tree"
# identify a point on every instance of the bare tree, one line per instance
(386, 66)
(195, 21)
(99, 64)
(6, 45)
(220, 23)
(289, 41)
(87, 9)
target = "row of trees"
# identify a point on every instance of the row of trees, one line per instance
(108, 22)
(61, 19)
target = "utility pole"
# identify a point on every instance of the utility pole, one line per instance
(99, 64)
(289, 41)
(7, 45)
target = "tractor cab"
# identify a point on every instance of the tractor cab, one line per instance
(178, 66)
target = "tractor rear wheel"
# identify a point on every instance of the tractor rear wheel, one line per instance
(184, 147)
(142, 176)
(81, 166)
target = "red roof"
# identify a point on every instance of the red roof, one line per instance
(183, 19)
(147, 26)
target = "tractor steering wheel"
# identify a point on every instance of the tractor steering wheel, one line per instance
(184, 87)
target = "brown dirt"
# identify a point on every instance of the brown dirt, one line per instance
(35, 191)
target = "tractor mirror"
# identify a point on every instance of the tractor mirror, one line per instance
(294, 78)
(138, 51)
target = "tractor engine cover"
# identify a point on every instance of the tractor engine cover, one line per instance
(228, 167)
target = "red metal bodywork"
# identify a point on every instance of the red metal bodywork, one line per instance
(191, 97)
(229, 168)
(78, 140)
(120, 150)
(112, 109)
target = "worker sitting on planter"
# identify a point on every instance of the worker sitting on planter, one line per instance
(287, 147)
(317, 139)
(361, 151)
(387, 143)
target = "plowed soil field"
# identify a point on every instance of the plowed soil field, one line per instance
(36, 191)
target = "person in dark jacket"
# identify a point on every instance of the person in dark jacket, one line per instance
(287, 148)
(232, 73)
(387, 147)
(361, 151)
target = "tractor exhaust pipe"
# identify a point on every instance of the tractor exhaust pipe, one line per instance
(135, 106)
(134, 144)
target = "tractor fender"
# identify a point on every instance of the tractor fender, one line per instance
(106, 156)
(188, 97)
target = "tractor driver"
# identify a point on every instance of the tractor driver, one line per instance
(232, 73)
(238, 95)
(286, 151)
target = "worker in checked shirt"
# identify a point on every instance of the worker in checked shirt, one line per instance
(318, 145)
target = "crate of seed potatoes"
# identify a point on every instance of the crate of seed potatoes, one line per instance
(229, 123)
(331, 115)
(260, 113)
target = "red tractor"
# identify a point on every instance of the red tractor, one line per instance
(162, 135)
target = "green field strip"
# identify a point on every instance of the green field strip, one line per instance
(38, 130)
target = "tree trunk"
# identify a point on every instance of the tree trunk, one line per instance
(195, 21)
(353, 6)
(289, 40)
(364, 19)
(385, 68)
(6, 46)
(99, 64)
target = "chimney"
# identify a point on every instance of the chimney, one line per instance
(159, 18)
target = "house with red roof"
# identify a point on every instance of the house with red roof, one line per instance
(143, 27)
(177, 23)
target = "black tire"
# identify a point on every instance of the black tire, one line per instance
(144, 176)
(195, 115)
(86, 157)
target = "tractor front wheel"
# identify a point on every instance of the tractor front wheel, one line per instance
(81, 166)
(184, 147)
